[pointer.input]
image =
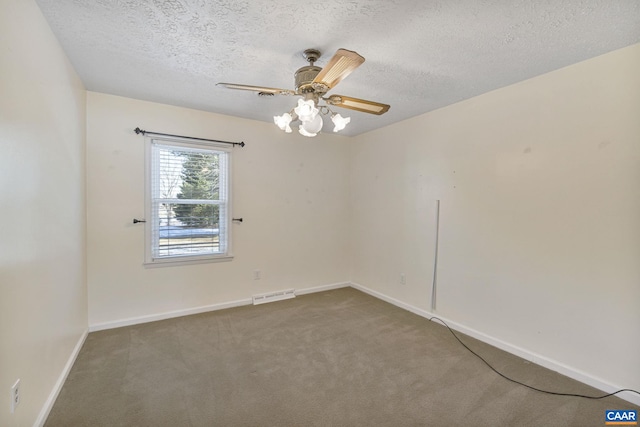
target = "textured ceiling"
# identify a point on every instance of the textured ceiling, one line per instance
(420, 55)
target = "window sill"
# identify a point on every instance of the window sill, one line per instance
(174, 262)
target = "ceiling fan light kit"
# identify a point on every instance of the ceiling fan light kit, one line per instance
(312, 83)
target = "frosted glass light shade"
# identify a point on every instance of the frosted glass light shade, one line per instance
(283, 122)
(305, 133)
(339, 122)
(311, 127)
(306, 110)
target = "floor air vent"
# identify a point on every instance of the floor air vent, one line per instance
(274, 296)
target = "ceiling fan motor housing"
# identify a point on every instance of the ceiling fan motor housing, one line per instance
(304, 77)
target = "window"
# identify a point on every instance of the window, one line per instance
(188, 209)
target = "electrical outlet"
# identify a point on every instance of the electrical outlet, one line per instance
(15, 396)
(256, 274)
(403, 279)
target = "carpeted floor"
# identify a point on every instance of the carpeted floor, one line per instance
(336, 358)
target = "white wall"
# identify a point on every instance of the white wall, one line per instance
(540, 214)
(291, 191)
(43, 298)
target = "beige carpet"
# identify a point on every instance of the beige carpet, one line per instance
(337, 358)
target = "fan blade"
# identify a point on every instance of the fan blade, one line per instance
(357, 104)
(339, 67)
(261, 89)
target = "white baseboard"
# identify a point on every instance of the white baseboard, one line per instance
(322, 288)
(48, 404)
(167, 315)
(538, 359)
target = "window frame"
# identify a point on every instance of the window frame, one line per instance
(150, 260)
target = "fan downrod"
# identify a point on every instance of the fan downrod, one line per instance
(311, 55)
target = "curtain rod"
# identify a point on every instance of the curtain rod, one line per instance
(144, 132)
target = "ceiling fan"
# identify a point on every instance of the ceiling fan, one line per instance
(312, 84)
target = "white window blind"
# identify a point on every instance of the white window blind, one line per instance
(189, 201)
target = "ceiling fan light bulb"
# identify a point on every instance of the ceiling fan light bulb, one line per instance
(339, 122)
(306, 110)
